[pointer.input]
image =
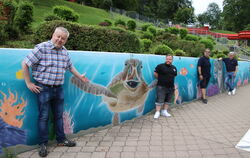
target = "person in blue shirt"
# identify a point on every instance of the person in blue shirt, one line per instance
(231, 67)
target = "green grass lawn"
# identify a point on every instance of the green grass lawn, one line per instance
(88, 15)
(223, 31)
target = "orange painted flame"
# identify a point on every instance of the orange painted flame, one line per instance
(9, 112)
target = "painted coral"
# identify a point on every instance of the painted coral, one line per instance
(11, 110)
(68, 124)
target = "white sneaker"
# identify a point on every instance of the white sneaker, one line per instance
(157, 115)
(165, 113)
(233, 91)
(229, 93)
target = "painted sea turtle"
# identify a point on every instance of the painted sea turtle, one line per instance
(126, 91)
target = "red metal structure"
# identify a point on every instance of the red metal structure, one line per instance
(242, 35)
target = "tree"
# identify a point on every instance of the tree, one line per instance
(202, 18)
(185, 15)
(168, 8)
(213, 14)
(236, 14)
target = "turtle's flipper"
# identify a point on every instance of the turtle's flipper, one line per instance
(116, 119)
(140, 109)
(153, 84)
(92, 88)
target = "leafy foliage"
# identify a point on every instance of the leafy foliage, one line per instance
(91, 38)
(163, 50)
(24, 16)
(131, 25)
(52, 17)
(208, 43)
(146, 44)
(120, 22)
(152, 30)
(66, 13)
(183, 33)
(236, 14)
(179, 52)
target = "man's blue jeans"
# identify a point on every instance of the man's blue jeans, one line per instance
(50, 98)
(229, 80)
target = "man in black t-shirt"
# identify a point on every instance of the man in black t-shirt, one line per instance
(165, 73)
(232, 68)
(204, 67)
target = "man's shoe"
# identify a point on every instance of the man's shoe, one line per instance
(229, 93)
(204, 101)
(233, 91)
(43, 150)
(68, 143)
(165, 113)
(157, 115)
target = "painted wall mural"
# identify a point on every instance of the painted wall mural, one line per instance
(121, 87)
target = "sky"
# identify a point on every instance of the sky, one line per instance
(200, 6)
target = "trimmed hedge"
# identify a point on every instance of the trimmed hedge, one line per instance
(24, 16)
(91, 38)
(163, 50)
(66, 13)
(131, 24)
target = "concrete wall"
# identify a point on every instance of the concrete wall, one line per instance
(128, 76)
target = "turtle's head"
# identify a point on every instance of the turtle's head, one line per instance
(132, 74)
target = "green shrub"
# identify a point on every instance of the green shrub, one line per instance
(11, 32)
(12, 7)
(144, 27)
(147, 35)
(214, 53)
(165, 36)
(91, 38)
(174, 30)
(131, 24)
(211, 38)
(183, 33)
(120, 22)
(167, 30)
(66, 13)
(163, 50)
(108, 21)
(146, 44)
(220, 55)
(3, 35)
(208, 43)
(160, 32)
(190, 37)
(152, 30)
(225, 52)
(179, 52)
(52, 17)
(24, 16)
(191, 48)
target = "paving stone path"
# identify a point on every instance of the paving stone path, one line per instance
(195, 130)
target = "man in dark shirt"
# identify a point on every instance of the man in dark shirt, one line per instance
(165, 73)
(232, 68)
(204, 67)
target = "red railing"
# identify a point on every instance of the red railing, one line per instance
(242, 35)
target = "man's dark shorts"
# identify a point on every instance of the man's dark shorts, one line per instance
(164, 95)
(204, 82)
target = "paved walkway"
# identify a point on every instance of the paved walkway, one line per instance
(195, 130)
